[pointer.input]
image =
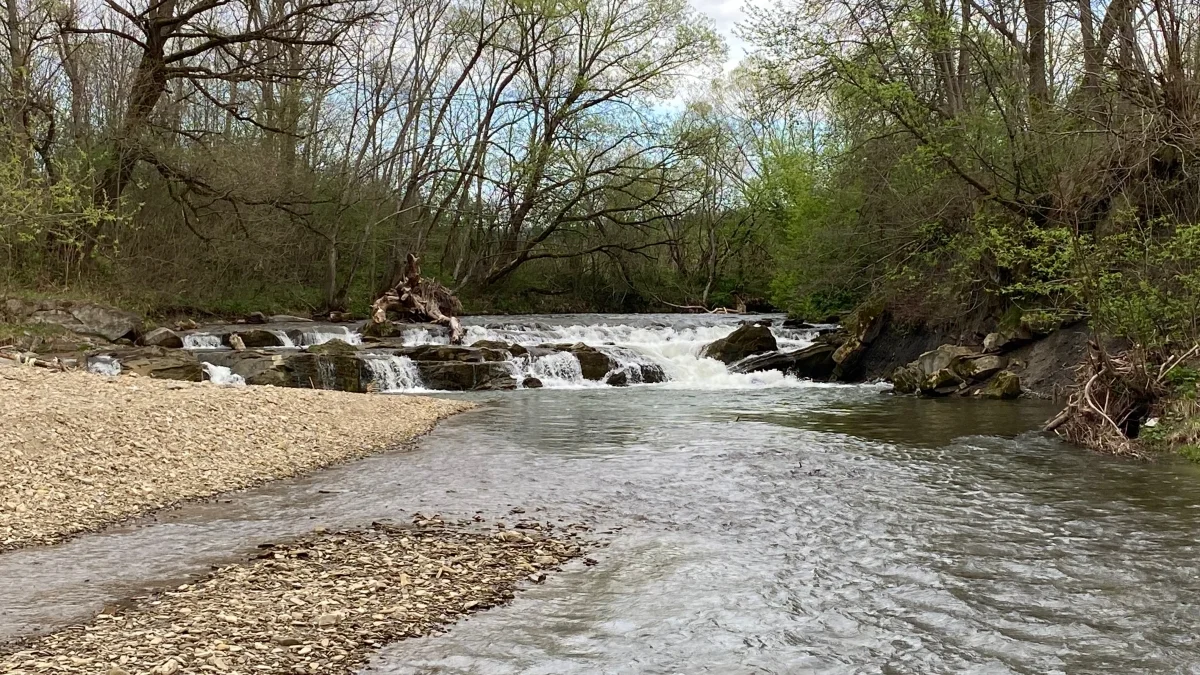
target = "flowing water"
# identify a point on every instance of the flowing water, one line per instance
(747, 526)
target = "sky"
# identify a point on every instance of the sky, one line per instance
(725, 14)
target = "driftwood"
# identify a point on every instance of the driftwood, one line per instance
(418, 299)
(1113, 396)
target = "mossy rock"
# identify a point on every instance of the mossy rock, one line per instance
(1005, 385)
(334, 346)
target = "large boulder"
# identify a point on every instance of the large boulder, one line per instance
(1006, 385)
(594, 363)
(861, 328)
(162, 337)
(466, 376)
(514, 349)
(255, 338)
(814, 362)
(747, 340)
(637, 373)
(945, 370)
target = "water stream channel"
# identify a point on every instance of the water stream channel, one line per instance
(749, 525)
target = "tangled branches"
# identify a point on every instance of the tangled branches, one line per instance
(1114, 396)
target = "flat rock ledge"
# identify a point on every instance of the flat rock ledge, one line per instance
(79, 452)
(322, 604)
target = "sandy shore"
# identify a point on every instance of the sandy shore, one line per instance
(321, 604)
(81, 451)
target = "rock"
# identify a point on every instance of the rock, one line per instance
(994, 343)
(472, 354)
(978, 368)
(255, 367)
(287, 318)
(382, 329)
(82, 318)
(798, 324)
(862, 326)
(747, 340)
(594, 363)
(162, 337)
(159, 363)
(638, 373)
(514, 349)
(467, 376)
(531, 383)
(1006, 385)
(814, 362)
(256, 317)
(339, 372)
(334, 346)
(256, 338)
(937, 372)
(235, 342)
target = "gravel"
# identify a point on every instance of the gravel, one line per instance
(321, 604)
(80, 451)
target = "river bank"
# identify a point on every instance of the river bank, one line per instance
(320, 604)
(79, 451)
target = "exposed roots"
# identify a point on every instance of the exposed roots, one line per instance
(1114, 395)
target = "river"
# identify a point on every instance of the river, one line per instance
(746, 525)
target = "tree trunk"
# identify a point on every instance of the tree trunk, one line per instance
(1035, 40)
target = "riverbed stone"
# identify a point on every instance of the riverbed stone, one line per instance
(443, 353)
(976, 368)
(814, 362)
(162, 337)
(514, 349)
(747, 340)
(1005, 385)
(636, 373)
(255, 338)
(334, 346)
(594, 363)
(157, 362)
(467, 376)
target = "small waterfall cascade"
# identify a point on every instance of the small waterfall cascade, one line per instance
(103, 365)
(392, 373)
(222, 375)
(560, 369)
(309, 337)
(202, 341)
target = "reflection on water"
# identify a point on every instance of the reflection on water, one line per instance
(822, 529)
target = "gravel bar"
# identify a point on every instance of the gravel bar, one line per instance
(80, 451)
(322, 604)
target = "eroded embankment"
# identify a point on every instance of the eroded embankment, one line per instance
(321, 604)
(80, 451)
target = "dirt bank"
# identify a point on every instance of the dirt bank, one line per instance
(318, 605)
(81, 451)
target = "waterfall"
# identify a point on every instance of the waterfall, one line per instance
(560, 369)
(202, 341)
(315, 336)
(285, 340)
(392, 373)
(103, 365)
(222, 375)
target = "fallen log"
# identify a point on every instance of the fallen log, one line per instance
(419, 299)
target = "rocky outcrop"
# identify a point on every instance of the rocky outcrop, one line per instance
(946, 370)
(467, 376)
(814, 362)
(747, 340)
(862, 327)
(162, 337)
(83, 318)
